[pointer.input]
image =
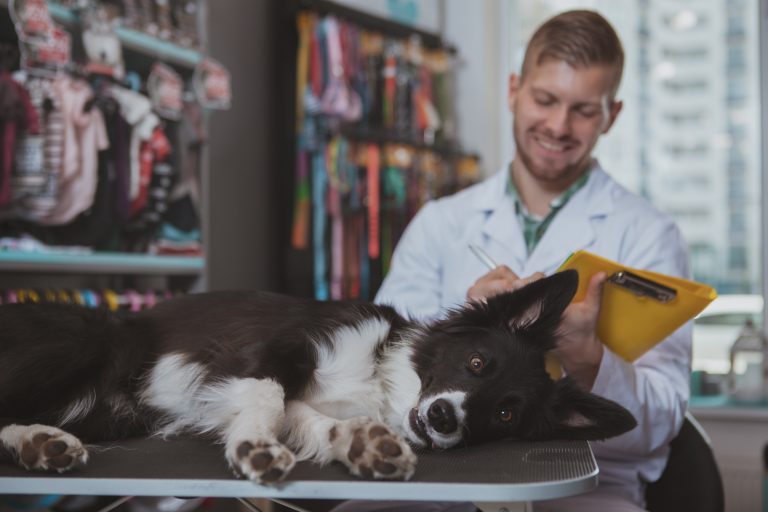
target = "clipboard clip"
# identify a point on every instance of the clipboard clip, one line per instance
(643, 287)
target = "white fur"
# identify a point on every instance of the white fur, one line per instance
(345, 384)
(400, 382)
(307, 431)
(78, 409)
(229, 407)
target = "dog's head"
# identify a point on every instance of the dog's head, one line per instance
(483, 375)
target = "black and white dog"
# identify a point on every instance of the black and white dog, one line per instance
(277, 378)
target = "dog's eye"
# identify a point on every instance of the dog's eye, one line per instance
(505, 415)
(476, 363)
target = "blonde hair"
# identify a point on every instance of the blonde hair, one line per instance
(581, 38)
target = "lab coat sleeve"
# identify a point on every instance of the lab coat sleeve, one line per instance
(655, 388)
(413, 284)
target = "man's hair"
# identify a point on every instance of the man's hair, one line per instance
(581, 38)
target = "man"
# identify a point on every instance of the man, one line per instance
(552, 200)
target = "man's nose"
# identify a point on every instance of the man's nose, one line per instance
(559, 122)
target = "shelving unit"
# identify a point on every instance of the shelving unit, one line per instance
(100, 262)
(25, 267)
(135, 40)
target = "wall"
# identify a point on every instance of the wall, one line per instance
(240, 228)
(480, 30)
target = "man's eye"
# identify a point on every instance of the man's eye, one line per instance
(505, 415)
(588, 112)
(476, 363)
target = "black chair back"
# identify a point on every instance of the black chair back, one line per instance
(691, 480)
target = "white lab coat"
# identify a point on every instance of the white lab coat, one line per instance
(433, 267)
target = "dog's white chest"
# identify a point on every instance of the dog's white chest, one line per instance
(346, 383)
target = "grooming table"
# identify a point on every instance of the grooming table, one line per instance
(505, 474)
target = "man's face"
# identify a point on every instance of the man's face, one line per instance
(559, 114)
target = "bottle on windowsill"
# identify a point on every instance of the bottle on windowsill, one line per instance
(748, 374)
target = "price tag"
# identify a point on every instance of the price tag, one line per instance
(31, 19)
(211, 83)
(165, 88)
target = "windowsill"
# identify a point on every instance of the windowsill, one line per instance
(722, 407)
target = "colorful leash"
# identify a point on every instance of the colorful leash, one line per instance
(336, 148)
(304, 25)
(319, 186)
(302, 203)
(373, 162)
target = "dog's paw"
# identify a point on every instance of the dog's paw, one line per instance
(41, 447)
(261, 461)
(371, 450)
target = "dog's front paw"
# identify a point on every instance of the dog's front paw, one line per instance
(42, 447)
(262, 461)
(371, 450)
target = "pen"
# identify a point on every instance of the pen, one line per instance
(483, 256)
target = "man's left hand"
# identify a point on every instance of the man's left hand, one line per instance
(578, 347)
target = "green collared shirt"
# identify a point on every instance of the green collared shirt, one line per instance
(533, 225)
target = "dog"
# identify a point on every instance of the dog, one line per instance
(277, 379)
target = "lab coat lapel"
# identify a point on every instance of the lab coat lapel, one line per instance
(572, 228)
(501, 225)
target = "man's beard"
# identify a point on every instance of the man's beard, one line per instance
(568, 174)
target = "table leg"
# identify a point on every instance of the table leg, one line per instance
(493, 506)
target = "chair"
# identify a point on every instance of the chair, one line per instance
(691, 480)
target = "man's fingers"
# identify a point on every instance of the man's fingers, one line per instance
(595, 289)
(502, 272)
(488, 288)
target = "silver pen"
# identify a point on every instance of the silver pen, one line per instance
(483, 256)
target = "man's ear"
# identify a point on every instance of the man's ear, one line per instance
(539, 305)
(512, 91)
(577, 414)
(613, 112)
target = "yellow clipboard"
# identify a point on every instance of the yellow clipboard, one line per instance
(639, 308)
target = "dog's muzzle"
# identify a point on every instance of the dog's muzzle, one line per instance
(437, 421)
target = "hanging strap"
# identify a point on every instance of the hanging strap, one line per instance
(319, 185)
(373, 201)
(301, 208)
(336, 148)
(304, 25)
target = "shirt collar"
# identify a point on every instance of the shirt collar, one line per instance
(555, 204)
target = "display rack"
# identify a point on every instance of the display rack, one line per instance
(134, 40)
(111, 265)
(303, 262)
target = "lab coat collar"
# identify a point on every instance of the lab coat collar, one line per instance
(571, 228)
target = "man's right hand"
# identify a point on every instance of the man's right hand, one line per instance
(499, 280)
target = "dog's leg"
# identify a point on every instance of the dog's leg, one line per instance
(43, 448)
(367, 447)
(250, 439)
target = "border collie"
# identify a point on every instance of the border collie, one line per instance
(277, 379)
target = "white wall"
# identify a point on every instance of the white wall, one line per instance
(480, 30)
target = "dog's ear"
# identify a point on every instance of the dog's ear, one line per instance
(539, 305)
(577, 414)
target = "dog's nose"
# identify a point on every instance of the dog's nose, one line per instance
(441, 416)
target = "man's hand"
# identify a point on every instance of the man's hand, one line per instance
(499, 280)
(578, 347)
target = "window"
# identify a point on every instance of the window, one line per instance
(694, 128)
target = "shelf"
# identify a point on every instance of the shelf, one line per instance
(136, 40)
(100, 263)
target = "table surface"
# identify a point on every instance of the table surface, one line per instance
(500, 471)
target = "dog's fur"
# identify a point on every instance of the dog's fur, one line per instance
(277, 378)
